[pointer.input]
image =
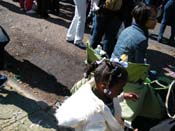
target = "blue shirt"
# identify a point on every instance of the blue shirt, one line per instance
(133, 41)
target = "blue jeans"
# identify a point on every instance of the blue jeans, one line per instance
(105, 26)
(168, 18)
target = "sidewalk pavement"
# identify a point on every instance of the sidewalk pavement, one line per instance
(20, 111)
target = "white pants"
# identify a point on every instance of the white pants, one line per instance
(77, 27)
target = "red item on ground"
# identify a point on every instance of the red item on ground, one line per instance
(26, 4)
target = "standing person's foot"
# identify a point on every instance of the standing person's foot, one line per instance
(44, 16)
(69, 41)
(81, 45)
(159, 40)
(3, 80)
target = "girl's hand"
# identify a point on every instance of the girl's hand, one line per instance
(130, 96)
(120, 121)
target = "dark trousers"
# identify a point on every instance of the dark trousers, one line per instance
(42, 8)
(105, 28)
(54, 5)
(168, 18)
(1, 57)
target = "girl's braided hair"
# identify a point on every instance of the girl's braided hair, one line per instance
(106, 71)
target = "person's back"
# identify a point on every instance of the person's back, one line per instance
(131, 42)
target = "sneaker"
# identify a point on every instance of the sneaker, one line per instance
(170, 101)
(3, 80)
(81, 45)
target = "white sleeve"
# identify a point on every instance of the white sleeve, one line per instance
(117, 107)
(121, 97)
(111, 121)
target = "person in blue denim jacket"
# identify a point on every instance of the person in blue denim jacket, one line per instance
(106, 24)
(133, 41)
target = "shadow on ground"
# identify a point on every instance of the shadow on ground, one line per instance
(159, 61)
(164, 40)
(34, 76)
(37, 114)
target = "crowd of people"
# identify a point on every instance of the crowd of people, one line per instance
(106, 22)
(95, 106)
(99, 97)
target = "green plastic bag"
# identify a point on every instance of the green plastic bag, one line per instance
(149, 103)
(137, 72)
(91, 55)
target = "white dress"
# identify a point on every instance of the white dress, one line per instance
(83, 111)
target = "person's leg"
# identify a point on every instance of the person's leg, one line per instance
(72, 28)
(171, 40)
(21, 3)
(128, 6)
(164, 22)
(1, 57)
(81, 13)
(42, 8)
(97, 30)
(3, 80)
(88, 13)
(172, 16)
(57, 5)
(111, 31)
(39, 6)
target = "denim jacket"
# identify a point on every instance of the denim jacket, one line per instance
(133, 41)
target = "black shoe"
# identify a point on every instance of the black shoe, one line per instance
(3, 80)
(81, 45)
(70, 41)
(159, 40)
